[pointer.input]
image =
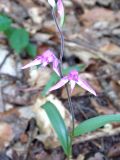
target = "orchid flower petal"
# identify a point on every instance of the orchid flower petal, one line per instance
(60, 10)
(72, 83)
(84, 84)
(73, 75)
(48, 56)
(55, 66)
(33, 63)
(44, 64)
(61, 83)
(52, 3)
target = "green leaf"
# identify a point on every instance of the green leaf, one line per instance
(8, 32)
(95, 123)
(19, 39)
(58, 125)
(5, 22)
(31, 49)
(79, 68)
(54, 77)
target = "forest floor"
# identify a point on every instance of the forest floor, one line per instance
(92, 41)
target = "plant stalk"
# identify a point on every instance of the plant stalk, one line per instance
(61, 75)
(60, 67)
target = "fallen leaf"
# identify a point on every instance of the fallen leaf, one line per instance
(114, 151)
(6, 134)
(98, 14)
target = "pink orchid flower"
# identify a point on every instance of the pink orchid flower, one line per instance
(60, 9)
(44, 59)
(74, 78)
(52, 3)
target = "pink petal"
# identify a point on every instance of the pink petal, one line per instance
(31, 64)
(60, 9)
(48, 56)
(52, 3)
(61, 83)
(55, 66)
(44, 64)
(72, 83)
(84, 84)
(73, 75)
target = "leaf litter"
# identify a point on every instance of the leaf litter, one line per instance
(92, 39)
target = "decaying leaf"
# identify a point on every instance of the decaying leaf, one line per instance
(6, 134)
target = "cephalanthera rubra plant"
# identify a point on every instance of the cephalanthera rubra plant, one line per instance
(66, 136)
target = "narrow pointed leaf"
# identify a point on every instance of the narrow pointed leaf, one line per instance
(95, 123)
(55, 78)
(58, 125)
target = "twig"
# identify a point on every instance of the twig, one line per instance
(2, 75)
(31, 135)
(30, 89)
(82, 45)
(2, 106)
(4, 60)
